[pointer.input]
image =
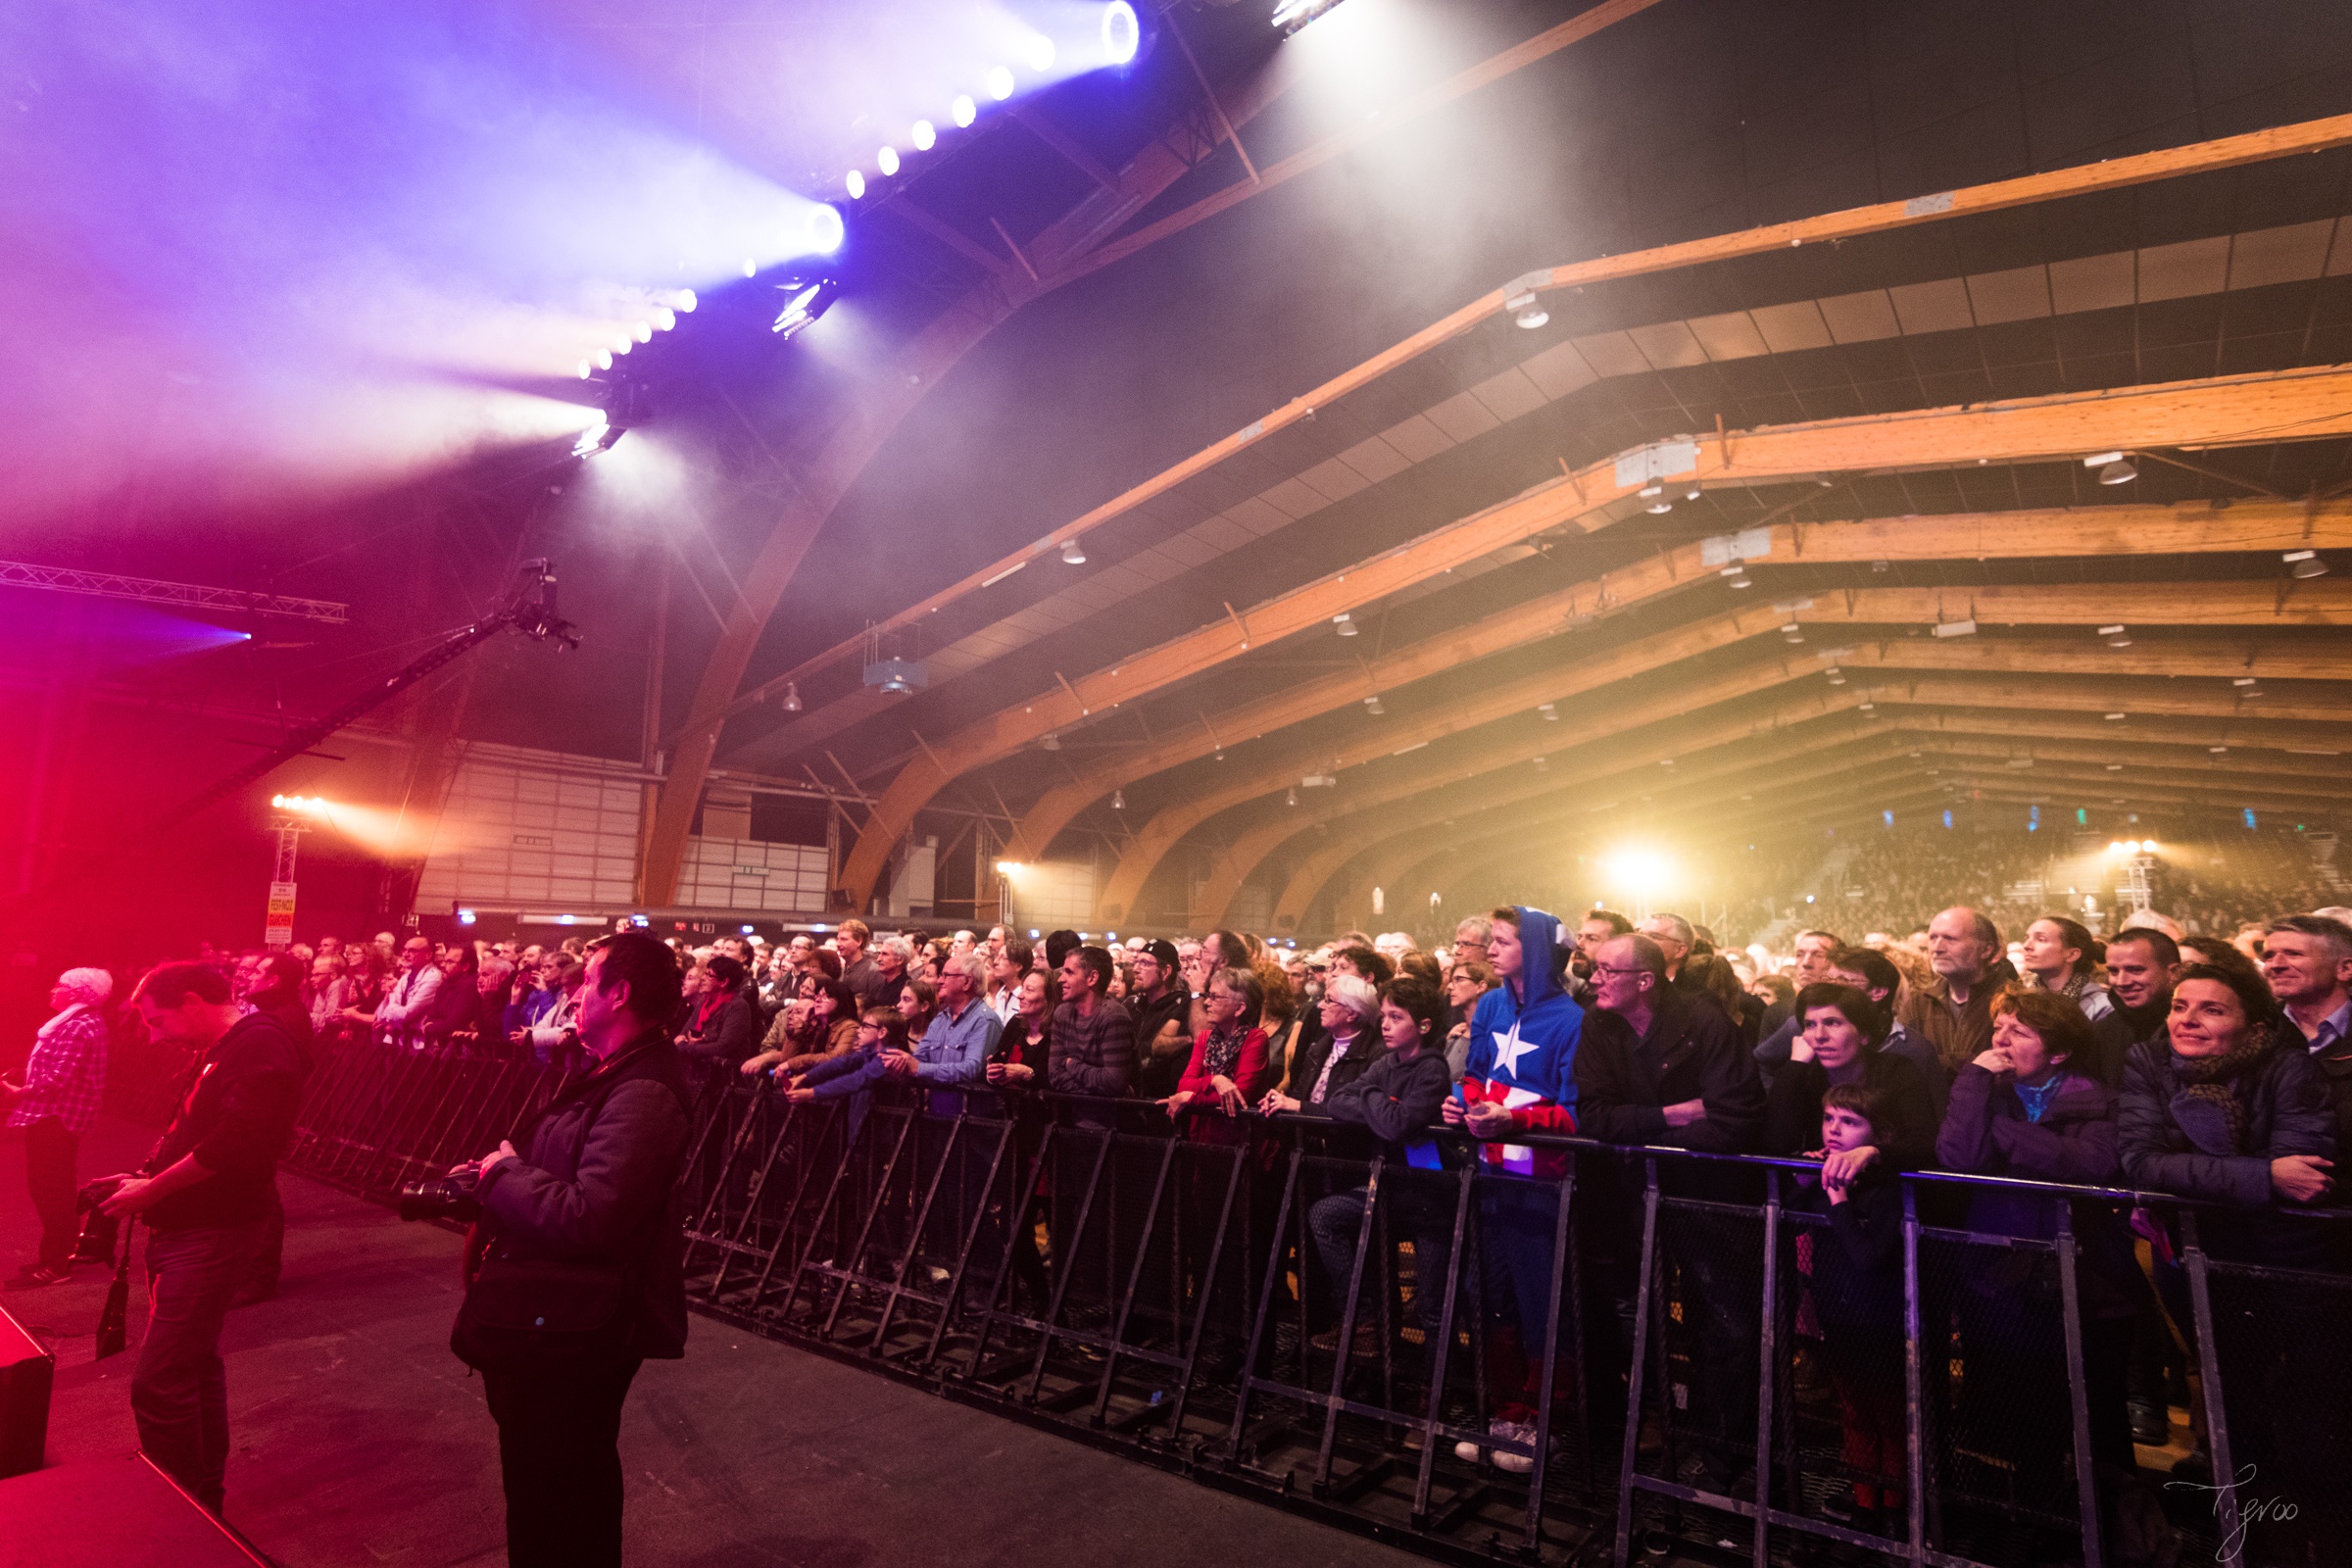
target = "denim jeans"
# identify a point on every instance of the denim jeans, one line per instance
(180, 1390)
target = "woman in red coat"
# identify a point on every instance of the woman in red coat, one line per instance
(1229, 1058)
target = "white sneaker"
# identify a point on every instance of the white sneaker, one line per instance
(1517, 1464)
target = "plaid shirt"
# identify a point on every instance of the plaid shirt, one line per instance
(66, 1075)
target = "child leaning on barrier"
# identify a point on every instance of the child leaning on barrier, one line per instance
(1857, 1280)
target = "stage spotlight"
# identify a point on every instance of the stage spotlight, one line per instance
(664, 318)
(856, 185)
(604, 359)
(964, 110)
(823, 231)
(586, 369)
(925, 135)
(1040, 53)
(809, 301)
(598, 437)
(1292, 15)
(643, 331)
(999, 83)
(624, 343)
(685, 301)
(1122, 35)
(888, 160)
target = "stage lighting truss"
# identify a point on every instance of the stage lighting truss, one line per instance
(1121, 30)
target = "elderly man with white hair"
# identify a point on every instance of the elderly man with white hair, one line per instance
(63, 1079)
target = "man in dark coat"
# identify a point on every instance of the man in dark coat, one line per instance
(597, 1185)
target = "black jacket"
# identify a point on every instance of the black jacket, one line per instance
(2172, 1142)
(1692, 1052)
(236, 1120)
(1857, 1264)
(2114, 1031)
(598, 1183)
(733, 1033)
(1393, 1099)
(1792, 1112)
(1309, 1067)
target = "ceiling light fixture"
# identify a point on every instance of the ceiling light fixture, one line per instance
(1837, 676)
(1955, 628)
(2304, 564)
(1073, 554)
(792, 697)
(2114, 467)
(1372, 707)
(1050, 742)
(1542, 765)
(1793, 632)
(2117, 718)
(1527, 310)
(2116, 636)
(1294, 797)
(1737, 577)
(1118, 799)
(1654, 493)
(1550, 711)
(1345, 625)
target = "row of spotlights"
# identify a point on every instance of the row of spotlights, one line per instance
(664, 317)
(1122, 36)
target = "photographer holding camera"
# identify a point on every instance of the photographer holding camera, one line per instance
(576, 1270)
(207, 1194)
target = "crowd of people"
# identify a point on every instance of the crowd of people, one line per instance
(2158, 1059)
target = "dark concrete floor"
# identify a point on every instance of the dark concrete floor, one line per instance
(359, 1440)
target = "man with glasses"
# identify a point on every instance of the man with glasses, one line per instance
(400, 1018)
(1657, 1067)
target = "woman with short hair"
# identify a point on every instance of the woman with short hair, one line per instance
(1839, 1031)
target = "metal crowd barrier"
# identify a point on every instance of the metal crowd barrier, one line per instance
(1276, 1307)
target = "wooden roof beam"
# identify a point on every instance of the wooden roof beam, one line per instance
(2312, 402)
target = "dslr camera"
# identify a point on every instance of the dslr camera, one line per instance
(450, 1197)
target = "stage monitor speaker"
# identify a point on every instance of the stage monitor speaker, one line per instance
(25, 1373)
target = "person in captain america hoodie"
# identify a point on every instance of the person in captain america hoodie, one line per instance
(1521, 1078)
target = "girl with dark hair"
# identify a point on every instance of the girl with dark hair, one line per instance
(2061, 956)
(1839, 1031)
(821, 1021)
(2224, 1110)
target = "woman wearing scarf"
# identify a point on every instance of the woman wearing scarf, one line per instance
(723, 1027)
(2061, 956)
(63, 1079)
(2221, 1110)
(1229, 1058)
(821, 1021)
